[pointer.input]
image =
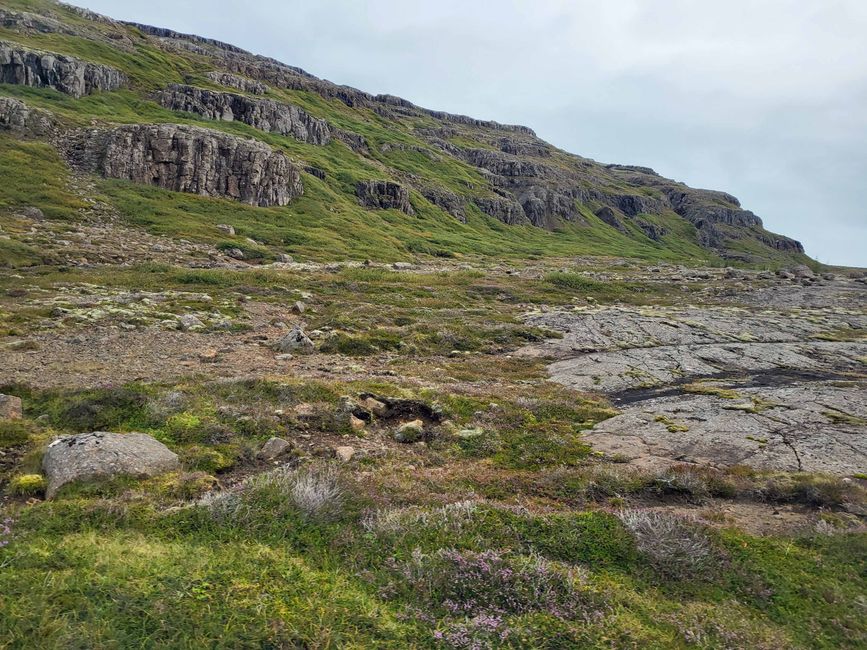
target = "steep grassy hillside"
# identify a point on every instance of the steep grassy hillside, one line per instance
(463, 178)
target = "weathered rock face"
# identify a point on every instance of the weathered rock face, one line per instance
(17, 116)
(101, 455)
(239, 83)
(262, 114)
(25, 67)
(384, 195)
(508, 211)
(448, 201)
(190, 159)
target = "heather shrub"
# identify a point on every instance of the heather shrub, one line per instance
(450, 518)
(676, 547)
(695, 482)
(490, 583)
(313, 494)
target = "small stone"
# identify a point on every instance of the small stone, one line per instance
(469, 434)
(208, 356)
(274, 448)
(344, 453)
(190, 322)
(284, 357)
(356, 424)
(10, 407)
(409, 432)
(374, 406)
(295, 341)
(402, 266)
(298, 307)
(226, 228)
(285, 259)
(235, 253)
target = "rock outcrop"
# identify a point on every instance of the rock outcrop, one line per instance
(506, 210)
(263, 114)
(25, 67)
(102, 455)
(17, 116)
(446, 200)
(190, 159)
(384, 195)
(237, 82)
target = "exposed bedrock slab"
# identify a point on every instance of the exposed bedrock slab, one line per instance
(26, 67)
(190, 159)
(263, 114)
(783, 390)
(810, 427)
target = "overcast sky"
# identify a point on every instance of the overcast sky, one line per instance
(765, 99)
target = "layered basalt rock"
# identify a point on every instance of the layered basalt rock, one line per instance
(25, 67)
(384, 195)
(189, 159)
(263, 114)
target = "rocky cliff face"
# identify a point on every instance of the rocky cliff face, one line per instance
(25, 67)
(384, 195)
(237, 82)
(17, 116)
(263, 114)
(190, 159)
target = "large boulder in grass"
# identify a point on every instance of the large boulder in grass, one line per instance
(101, 455)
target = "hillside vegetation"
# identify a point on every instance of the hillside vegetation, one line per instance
(287, 365)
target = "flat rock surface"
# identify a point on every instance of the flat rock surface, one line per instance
(781, 389)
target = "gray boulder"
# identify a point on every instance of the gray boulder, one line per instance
(101, 454)
(274, 448)
(295, 341)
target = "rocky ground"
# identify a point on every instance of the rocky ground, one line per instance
(781, 386)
